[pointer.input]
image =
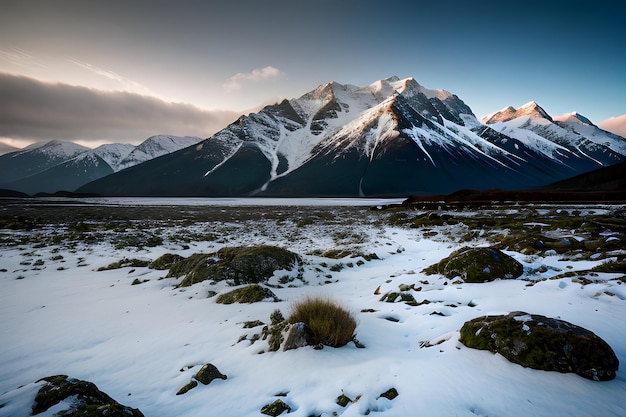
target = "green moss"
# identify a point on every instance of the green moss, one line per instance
(240, 265)
(611, 266)
(477, 265)
(276, 408)
(343, 400)
(191, 385)
(390, 394)
(539, 342)
(165, 261)
(249, 294)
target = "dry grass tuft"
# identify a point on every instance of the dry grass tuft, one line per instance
(330, 324)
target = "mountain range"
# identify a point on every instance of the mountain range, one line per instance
(56, 165)
(393, 137)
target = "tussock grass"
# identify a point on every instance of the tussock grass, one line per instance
(330, 324)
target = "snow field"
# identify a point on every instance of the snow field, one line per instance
(137, 342)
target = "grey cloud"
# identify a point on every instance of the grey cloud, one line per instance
(35, 110)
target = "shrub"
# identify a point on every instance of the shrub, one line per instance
(329, 323)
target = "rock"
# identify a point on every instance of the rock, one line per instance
(544, 343)
(478, 265)
(299, 336)
(390, 394)
(208, 373)
(191, 385)
(276, 408)
(239, 265)
(343, 400)
(81, 398)
(249, 294)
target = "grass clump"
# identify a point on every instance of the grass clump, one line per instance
(330, 324)
(249, 294)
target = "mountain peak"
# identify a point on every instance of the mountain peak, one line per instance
(531, 109)
(574, 117)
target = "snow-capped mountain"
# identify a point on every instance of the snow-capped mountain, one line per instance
(153, 147)
(57, 166)
(572, 138)
(392, 137)
(36, 158)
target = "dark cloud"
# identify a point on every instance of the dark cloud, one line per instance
(35, 110)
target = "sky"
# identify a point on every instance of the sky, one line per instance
(122, 70)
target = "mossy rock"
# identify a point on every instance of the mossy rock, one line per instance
(249, 294)
(544, 343)
(125, 263)
(478, 265)
(165, 261)
(208, 373)
(390, 394)
(188, 387)
(82, 398)
(276, 408)
(239, 265)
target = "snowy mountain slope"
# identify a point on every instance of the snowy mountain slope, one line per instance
(64, 166)
(67, 176)
(572, 139)
(6, 148)
(392, 137)
(36, 158)
(153, 147)
(113, 153)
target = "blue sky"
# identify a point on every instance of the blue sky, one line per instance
(222, 58)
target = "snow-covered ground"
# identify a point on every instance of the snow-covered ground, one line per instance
(137, 342)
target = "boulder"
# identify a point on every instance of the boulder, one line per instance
(478, 265)
(248, 294)
(81, 398)
(208, 373)
(299, 336)
(238, 265)
(544, 343)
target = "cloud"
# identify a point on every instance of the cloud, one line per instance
(234, 82)
(34, 110)
(615, 125)
(125, 83)
(21, 58)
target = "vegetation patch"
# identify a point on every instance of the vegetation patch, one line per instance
(617, 266)
(249, 294)
(477, 265)
(239, 265)
(165, 261)
(329, 323)
(125, 263)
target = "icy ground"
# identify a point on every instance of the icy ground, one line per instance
(59, 315)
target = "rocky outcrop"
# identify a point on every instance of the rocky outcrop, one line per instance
(544, 343)
(81, 398)
(238, 265)
(477, 265)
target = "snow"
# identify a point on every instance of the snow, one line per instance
(136, 343)
(154, 147)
